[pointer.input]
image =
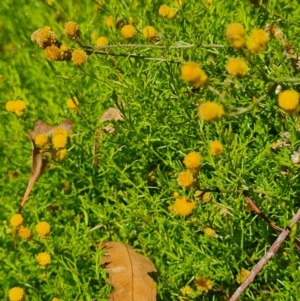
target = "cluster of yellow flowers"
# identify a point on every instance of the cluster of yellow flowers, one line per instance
(256, 42)
(203, 285)
(56, 51)
(16, 106)
(167, 11)
(59, 141)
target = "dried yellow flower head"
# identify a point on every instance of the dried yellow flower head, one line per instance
(109, 21)
(43, 259)
(72, 104)
(192, 161)
(183, 206)
(102, 41)
(52, 53)
(204, 197)
(65, 53)
(210, 111)
(128, 31)
(25, 233)
(242, 276)
(44, 37)
(149, 32)
(187, 290)
(203, 284)
(72, 30)
(43, 229)
(257, 41)
(192, 73)
(60, 154)
(185, 179)
(16, 294)
(210, 232)
(79, 57)
(16, 220)
(216, 147)
(237, 67)
(288, 100)
(236, 35)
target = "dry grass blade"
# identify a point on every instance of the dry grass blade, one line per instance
(128, 273)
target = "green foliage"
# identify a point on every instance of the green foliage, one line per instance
(126, 197)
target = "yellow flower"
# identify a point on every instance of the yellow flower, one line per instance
(59, 141)
(109, 21)
(60, 154)
(25, 233)
(210, 232)
(128, 31)
(60, 131)
(8, 231)
(10, 106)
(20, 107)
(164, 10)
(55, 299)
(41, 140)
(149, 32)
(102, 41)
(52, 53)
(209, 2)
(72, 104)
(72, 30)
(43, 229)
(43, 259)
(216, 147)
(44, 37)
(183, 206)
(186, 290)
(236, 67)
(191, 72)
(192, 161)
(257, 41)
(65, 53)
(175, 194)
(178, 3)
(16, 294)
(205, 197)
(210, 111)
(235, 34)
(203, 284)
(79, 57)
(242, 276)
(185, 179)
(16, 220)
(171, 14)
(288, 100)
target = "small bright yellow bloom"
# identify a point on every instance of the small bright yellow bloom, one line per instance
(59, 141)
(55, 299)
(128, 31)
(43, 229)
(41, 140)
(257, 41)
(166, 11)
(216, 147)
(235, 34)
(16, 294)
(210, 111)
(187, 290)
(242, 276)
(210, 232)
(185, 179)
(20, 107)
(183, 206)
(10, 106)
(171, 14)
(60, 131)
(236, 67)
(44, 37)
(43, 259)
(175, 194)
(52, 53)
(288, 100)
(16, 220)
(191, 72)
(79, 57)
(8, 231)
(192, 161)
(203, 284)
(72, 104)
(72, 30)
(102, 41)
(25, 233)
(149, 32)
(109, 21)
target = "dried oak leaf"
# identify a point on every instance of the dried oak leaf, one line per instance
(128, 273)
(39, 161)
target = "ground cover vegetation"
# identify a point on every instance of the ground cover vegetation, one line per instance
(168, 126)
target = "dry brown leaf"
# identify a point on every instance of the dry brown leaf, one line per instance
(112, 114)
(128, 273)
(39, 162)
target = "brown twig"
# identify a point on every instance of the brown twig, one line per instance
(270, 253)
